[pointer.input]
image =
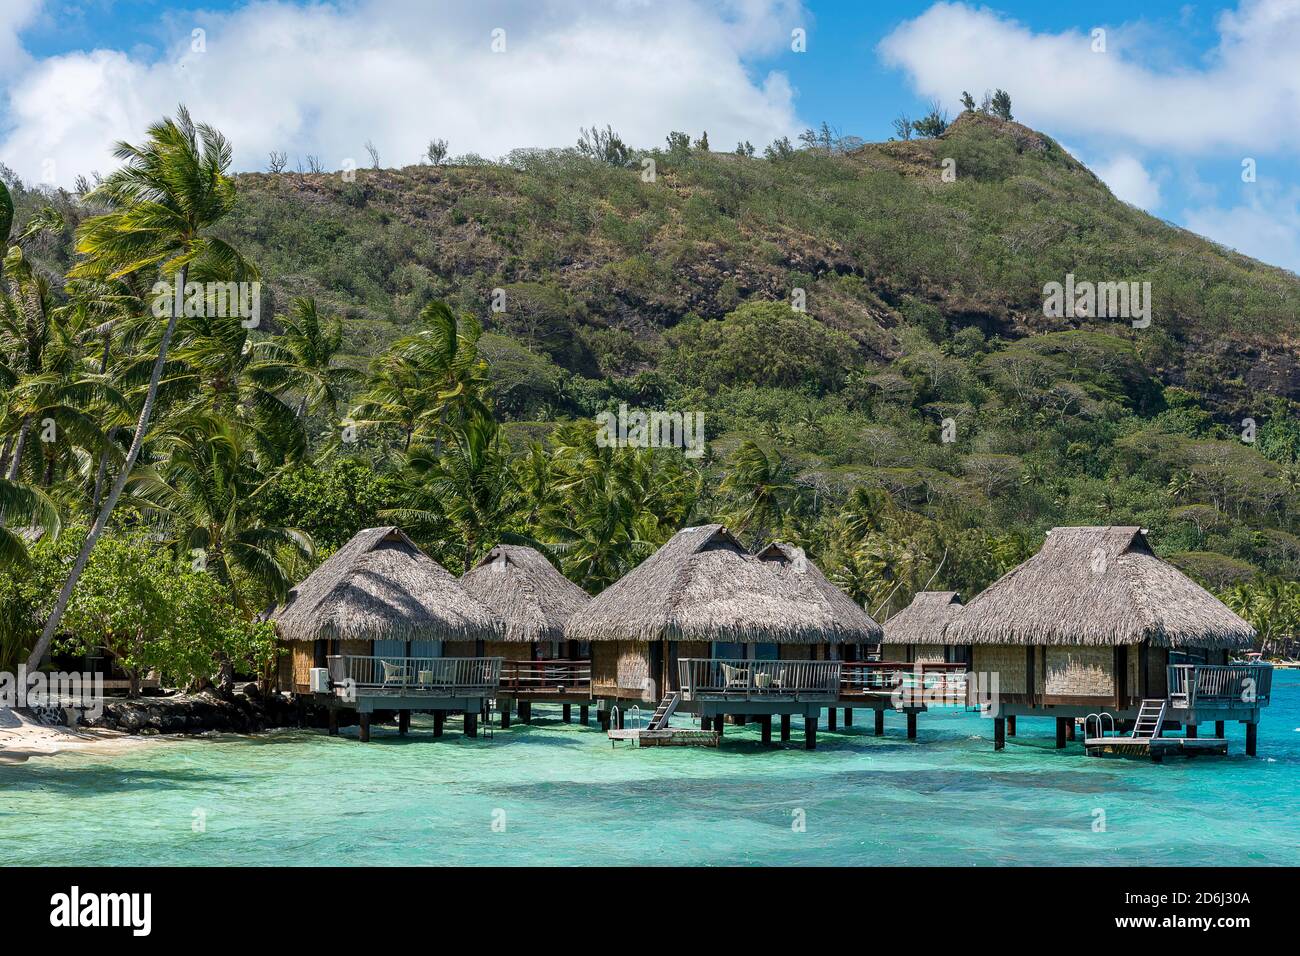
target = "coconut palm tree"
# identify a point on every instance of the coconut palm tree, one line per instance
(163, 202)
(302, 357)
(759, 487)
(27, 508)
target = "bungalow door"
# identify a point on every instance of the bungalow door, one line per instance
(656, 669)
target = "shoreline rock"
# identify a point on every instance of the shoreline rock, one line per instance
(244, 712)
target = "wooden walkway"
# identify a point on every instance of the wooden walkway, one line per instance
(667, 737)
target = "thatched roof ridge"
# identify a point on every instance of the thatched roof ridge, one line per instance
(924, 620)
(854, 624)
(381, 586)
(702, 585)
(1098, 586)
(530, 598)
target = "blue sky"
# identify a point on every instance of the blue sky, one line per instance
(1165, 113)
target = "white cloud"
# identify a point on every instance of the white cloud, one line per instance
(1266, 226)
(15, 15)
(1246, 95)
(1129, 180)
(321, 80)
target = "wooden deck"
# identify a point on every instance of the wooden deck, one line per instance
(1155, 748)
(668, 737)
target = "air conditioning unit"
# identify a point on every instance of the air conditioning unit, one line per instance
(320, 680)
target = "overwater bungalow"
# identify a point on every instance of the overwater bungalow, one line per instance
(366, 630)
(706, 626)
(532, 601)
(1096, 623)
(916, 633)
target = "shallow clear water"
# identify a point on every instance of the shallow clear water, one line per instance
(559, 794)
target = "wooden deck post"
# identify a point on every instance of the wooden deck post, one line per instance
(1191, 731)
(583, 715)
(1069, 728)
(1011, 725)
(403, 721)
(718, 721)
(785, 728)
(505, 713)
(848, 716)
(999, 733)
(832, 721)
(334, 721)
(911, 725)
(566, 714)
(1218, 729)
(765, 722)
(1060, 733)
(471, 724)
(365, 728)
(740, 719)
(1251, 729)
(438, 717)
(525, 711)
(880, 722)
(622, 718)
(810, 733)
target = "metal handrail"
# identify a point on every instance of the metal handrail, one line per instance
(1250, 684)
(555, 676)
(729, 679)
(423, 676)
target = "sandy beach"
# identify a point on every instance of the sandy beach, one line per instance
(22, 738)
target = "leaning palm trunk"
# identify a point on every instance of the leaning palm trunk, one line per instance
(101, 521)
(18, 451)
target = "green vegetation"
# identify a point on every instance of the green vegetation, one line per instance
(865, 342)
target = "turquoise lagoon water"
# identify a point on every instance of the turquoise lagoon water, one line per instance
(560, 794)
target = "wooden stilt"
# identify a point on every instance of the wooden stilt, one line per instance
(1191, 732)
(365, 728)
(765, 722)
(810, 733)
(785, 728)
(848, 716)
(880, 722)
(438, 717)
(1060, 733)
(583, 716)
(505, 713)
(471, 724)
(1218, 729)
(525, 712)
(704, 722)
(403, 721)
(1069, 728)
(1011, 725)
(999, 733)
(334, 722)
(1251, 729)
(566, 713)
(832, 720)
(911, 725)
(740, 719)
(718, 721)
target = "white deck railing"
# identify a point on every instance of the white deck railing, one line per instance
(1220, 684)
(418, 676)
(718, 679)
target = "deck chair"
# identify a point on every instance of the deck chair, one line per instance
(397, 674)
(734, 677)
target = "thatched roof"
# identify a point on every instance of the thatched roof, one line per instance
(1098, 586)
(380, 586)
(528, 596)
(702, 585)
(851, 621)
(924, 620)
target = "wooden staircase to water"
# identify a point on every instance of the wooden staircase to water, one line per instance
(1145, 740)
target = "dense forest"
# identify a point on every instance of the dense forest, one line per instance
(861, 327)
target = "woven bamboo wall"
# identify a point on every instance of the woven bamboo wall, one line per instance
(1008, 662)
(794, 652)
(1157, 677)
(1080, 671)
(300, 661)
(633, 664)
(458, 649)
(894, 652)
(927, 653)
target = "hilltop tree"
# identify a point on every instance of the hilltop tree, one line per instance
(604, 145)
(903, 126)
(933, 123)
(967, 102)
(436, 152)
(1000, 105)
